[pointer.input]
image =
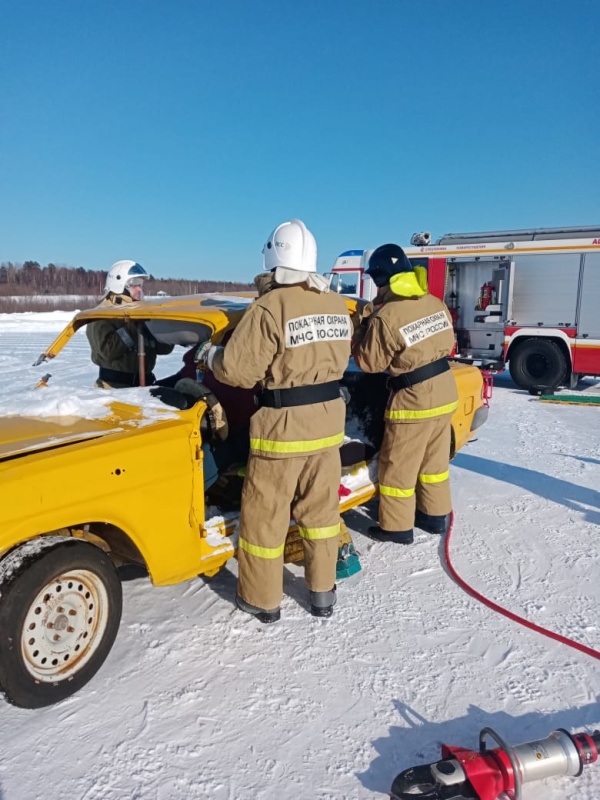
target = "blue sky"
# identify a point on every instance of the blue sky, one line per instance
(179, 133)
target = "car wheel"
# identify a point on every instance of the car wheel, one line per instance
(538, 364)
(60, 609)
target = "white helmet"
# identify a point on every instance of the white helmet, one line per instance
(291, 245)
(123, 274)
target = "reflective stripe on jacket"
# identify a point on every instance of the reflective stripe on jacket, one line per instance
(407, 332)
(291, 336)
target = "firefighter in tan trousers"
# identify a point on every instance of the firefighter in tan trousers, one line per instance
(409, 334)
(295, 341)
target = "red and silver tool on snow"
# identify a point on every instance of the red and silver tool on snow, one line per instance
(499, 773)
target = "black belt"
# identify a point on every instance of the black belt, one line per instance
(299, 395)
(123, 378)
(408, 379)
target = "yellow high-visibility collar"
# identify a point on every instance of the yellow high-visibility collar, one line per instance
(406, 284)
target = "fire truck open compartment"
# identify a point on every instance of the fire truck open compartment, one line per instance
(477, 293)
(541, 291)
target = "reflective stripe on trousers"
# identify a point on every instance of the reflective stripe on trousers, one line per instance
(413, 472)
(392, 491)
(438, 478)
(309, 486)
(277, 552)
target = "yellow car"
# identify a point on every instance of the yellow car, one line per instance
(127, 486)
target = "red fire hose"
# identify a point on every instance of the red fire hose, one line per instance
(515, 617)
(463, 774)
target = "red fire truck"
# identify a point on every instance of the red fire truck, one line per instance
(529, 298)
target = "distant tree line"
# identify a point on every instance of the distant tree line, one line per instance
(30, 278)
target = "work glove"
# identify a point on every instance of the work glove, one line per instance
(199, 391)
(205, 355)
(191, 387)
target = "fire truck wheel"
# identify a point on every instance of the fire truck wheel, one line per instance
(538, 364)
(60, 609)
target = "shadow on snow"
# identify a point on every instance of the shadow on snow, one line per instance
(555, 489)
(418, 741)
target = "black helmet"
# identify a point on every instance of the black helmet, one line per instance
(386, 261)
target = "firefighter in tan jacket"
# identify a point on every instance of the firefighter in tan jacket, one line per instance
(295, 341)
(410, 336)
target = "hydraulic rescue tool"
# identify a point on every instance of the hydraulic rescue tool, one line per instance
(499, 773)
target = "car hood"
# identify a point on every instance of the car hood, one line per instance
(20, 435)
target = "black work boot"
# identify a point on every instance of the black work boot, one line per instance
(432, 523)
(322, 603)
(398, 537)
(260, 613)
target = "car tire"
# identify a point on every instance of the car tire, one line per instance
(538, 364)
(60, 609)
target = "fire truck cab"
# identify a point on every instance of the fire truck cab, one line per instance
(528, 298)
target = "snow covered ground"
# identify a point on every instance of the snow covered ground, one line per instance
(197, 700)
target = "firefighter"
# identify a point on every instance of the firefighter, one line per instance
(295, 341)
(409, 334)
(114, 342)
